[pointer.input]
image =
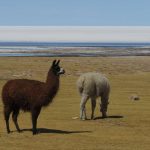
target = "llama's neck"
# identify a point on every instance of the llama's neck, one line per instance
(52, 84)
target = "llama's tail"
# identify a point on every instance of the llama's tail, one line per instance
(80, 84)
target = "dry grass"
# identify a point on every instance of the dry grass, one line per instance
(127, 128)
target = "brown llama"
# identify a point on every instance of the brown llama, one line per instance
(30, 95)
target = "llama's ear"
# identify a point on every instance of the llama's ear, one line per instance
(54, 63)
(58, 62)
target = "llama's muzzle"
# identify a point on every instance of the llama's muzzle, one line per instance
(62, 71)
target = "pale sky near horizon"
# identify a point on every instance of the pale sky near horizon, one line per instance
(75, 34)
(75, 20)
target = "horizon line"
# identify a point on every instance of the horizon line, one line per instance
(74, 26)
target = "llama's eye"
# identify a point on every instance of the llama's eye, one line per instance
(58, 69)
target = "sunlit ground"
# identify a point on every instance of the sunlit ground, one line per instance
(126, 128)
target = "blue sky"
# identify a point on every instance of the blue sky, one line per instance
(74, 12)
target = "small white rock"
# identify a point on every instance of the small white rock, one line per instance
(135, 97)
(75, 118)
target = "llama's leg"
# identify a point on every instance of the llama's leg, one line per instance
(7, 111)
(82, 107)
(14, 117)
(35, 114)
(104, 104)
(93, 104)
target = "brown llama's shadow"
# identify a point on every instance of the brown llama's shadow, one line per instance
(45, 130)
(115, 117)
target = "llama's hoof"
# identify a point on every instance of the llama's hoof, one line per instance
(103, 117)
(34, 132)
(8, 131)
(19, 131)
(92, 118)
(83, 119)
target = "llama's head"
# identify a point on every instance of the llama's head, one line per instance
(57, 70)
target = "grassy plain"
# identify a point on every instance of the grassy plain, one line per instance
(128, 125)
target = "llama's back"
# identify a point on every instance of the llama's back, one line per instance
(20, 91)
(93, 84)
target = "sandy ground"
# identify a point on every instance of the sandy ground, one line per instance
(126, 128)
